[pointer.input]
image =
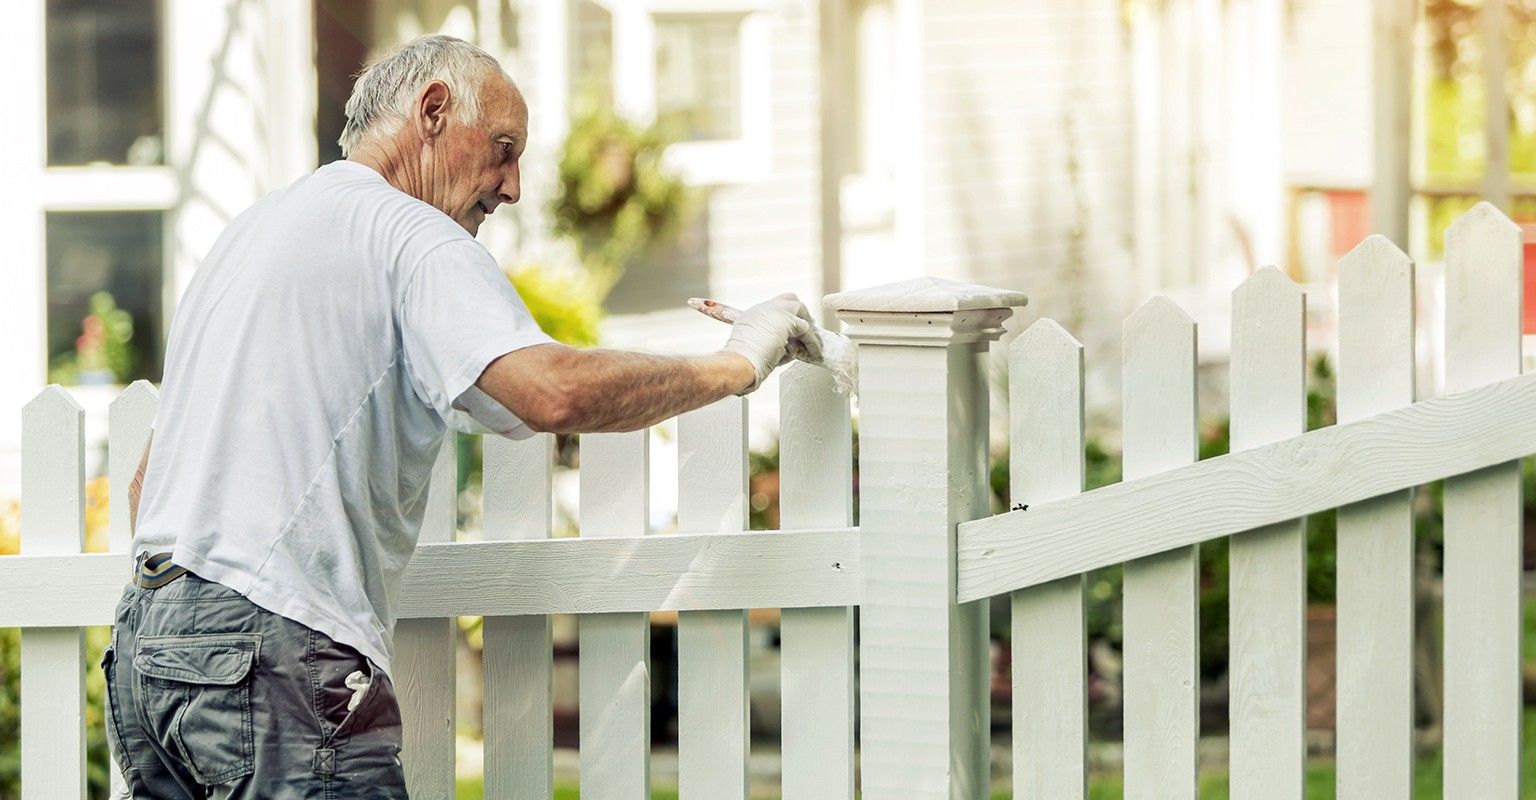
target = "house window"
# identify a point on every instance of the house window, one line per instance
(592, 53)
(93, 256)
(697, 68)
(104, 88)
(698, 76)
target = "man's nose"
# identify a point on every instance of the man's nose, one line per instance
(511, 189)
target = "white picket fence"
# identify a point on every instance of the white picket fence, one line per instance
(927, 557)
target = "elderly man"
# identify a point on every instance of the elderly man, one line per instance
(337, 330)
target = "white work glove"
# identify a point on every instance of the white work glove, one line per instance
(770, 333)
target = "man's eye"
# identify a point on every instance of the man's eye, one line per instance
(506, 150)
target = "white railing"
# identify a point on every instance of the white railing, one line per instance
(927, 557)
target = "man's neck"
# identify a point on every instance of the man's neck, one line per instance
(399, 167)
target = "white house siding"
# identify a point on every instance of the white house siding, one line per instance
(758, 238)
(1026, 152)
(1326, 94)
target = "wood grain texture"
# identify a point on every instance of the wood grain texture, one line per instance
(615, 665)
(128, 421)
(816, 644)
(53, 524)
(1375, 537)
(1484, 284)
(922, 737)
(1268, 566)
(424, 666)
(712, 687)
(518, 651)
(687, 572)
(1050, 649)
(1319, 470)
(1161, 592)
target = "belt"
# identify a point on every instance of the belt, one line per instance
(153, 570)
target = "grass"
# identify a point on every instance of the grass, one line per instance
(1213, 785)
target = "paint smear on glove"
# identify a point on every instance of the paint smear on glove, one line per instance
(838, 353)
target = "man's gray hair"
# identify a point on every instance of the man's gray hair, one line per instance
(381, 99)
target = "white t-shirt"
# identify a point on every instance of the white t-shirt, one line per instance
(314, 364)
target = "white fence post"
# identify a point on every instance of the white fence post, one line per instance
(923, 432)
(52, 672)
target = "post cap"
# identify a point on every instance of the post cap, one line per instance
(924, 295)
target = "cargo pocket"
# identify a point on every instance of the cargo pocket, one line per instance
(196, 694)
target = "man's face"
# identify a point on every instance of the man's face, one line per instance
(477, 164)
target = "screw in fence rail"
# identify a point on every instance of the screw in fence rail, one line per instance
(924, 701)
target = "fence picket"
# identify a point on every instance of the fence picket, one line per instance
(518, 651)
(712, 687)
(1268, 566)
(128, 421)
(1050, 649)
(52, 659)
(615, 648)
(1161, 595)
(816, 644)
(1483, 290)
(1375, 537)
(424, 656)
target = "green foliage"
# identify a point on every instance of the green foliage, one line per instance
(566, 306)
(101, 347)
(97, 763)
(615, 198)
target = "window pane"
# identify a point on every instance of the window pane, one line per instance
(591, 53)
(104, 99)
(698, 75)
(92, 257)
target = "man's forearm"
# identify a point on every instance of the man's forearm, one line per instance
(622, 391)
(136, 486)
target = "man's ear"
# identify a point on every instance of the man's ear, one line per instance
(432, 110)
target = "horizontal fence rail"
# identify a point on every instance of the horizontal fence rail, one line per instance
(1313, 472)
(664, 572)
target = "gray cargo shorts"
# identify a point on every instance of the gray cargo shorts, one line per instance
(211, 696)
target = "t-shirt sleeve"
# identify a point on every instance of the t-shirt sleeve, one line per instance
(458, 313)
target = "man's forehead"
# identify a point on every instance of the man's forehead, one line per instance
(502, 107)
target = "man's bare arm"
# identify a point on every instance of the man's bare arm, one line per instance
(136, 486)
(560, 389)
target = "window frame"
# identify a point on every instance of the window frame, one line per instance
(743, 159)
(101, 187)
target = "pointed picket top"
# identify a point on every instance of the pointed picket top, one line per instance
(925, 295)
(52, 474)
(52, 400)
(1044, 337)
(1376, 327)
(139, 395)
(1266, 281)
(1375, 252)
(1158, 312)
(1482, 219)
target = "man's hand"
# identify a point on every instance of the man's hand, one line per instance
(763, 335)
